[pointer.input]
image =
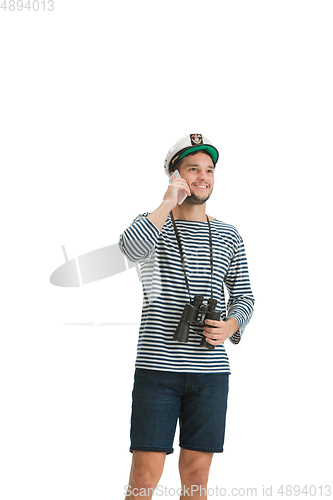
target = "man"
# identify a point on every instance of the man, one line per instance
(184, 253)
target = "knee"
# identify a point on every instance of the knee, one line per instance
(146, 469)
(144, 479)
(196, 476)
(194, 467)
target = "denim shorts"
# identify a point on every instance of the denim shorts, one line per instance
(159, 398)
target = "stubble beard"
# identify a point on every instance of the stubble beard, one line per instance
(197, 200)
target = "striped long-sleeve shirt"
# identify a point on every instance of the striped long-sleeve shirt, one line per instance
(165, 294)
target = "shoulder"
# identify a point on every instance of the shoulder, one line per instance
(225, 227)
(140, 216)
(227, 232)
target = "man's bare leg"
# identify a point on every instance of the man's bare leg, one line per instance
(146, 471)
(194, 470)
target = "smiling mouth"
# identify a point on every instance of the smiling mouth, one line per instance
(201, 186)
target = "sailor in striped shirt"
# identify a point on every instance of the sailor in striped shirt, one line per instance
(206, 245)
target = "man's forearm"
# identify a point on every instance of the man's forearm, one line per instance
(159, 216)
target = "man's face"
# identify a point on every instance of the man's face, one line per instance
(198, 171)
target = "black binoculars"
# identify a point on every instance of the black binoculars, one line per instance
(195, 313)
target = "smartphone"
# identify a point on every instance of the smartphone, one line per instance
(181, 194)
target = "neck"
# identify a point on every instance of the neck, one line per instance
(186, 211)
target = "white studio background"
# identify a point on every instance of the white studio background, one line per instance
(93, 94)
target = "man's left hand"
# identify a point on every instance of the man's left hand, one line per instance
(222, 330)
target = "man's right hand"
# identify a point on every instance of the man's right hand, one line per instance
(170, 201)
(171, 194)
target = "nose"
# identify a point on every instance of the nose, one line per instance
(202, 176)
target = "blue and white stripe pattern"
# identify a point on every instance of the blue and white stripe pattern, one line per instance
(165, 293)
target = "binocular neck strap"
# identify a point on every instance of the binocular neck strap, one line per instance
(182, 254)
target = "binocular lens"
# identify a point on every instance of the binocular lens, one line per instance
(182, 332)
(195, 313)
(205, 344)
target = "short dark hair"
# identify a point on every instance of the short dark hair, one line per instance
(177, 165)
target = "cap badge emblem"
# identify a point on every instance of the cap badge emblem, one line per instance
(196, 139)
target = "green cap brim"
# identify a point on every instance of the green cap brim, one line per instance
(210, 150)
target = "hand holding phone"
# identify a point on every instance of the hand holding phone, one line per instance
(181, 194)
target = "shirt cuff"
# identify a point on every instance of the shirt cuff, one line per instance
(235, 338)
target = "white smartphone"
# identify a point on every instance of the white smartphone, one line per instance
(181, 194)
